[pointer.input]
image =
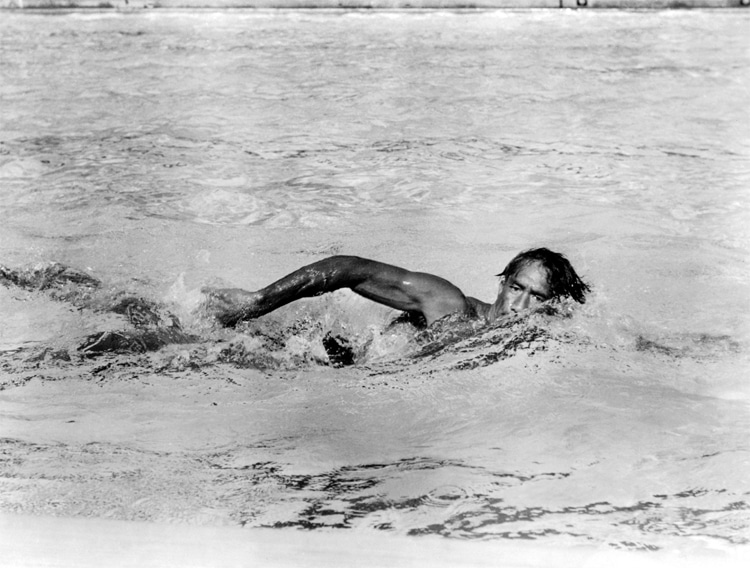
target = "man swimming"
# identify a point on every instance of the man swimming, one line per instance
(532, 278)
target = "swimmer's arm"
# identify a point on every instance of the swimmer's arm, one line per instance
(395, 287)
(416, 292)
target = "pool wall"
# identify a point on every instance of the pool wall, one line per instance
(372, 4)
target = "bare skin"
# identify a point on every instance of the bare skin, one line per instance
(417, 293)
(527, 289)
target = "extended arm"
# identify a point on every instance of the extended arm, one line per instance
(395, 287)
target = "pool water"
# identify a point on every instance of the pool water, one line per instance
(162, 152)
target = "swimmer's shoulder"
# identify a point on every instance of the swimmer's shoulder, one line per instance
(477, 308)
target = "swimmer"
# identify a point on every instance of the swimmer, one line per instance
(529, 280)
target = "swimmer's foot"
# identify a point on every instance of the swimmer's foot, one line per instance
(228, 305)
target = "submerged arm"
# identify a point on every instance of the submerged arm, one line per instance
(395, 287)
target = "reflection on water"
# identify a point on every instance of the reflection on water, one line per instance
(158, 153)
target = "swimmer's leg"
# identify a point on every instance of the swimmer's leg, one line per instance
(76, 287)
(154, 326)
(133, 341)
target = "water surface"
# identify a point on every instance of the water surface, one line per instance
(163, 152)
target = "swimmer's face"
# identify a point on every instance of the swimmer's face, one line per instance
(527, 288)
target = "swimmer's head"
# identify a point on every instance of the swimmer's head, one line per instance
(553, 275)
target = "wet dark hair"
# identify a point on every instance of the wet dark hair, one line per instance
(561, 277)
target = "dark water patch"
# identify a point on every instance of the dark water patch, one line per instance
(332, 507)
(105, 479)
(489, 519)
(517, 477)
(339, 350)
(694, 345)
(336, 503)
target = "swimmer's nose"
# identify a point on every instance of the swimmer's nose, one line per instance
(521, 303)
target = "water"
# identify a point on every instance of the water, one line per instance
(160, 152)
